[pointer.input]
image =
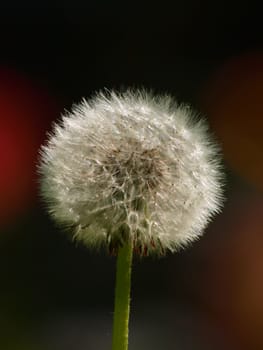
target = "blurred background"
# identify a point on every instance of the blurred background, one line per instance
(55, 295)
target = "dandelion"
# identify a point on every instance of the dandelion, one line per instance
(133, 173)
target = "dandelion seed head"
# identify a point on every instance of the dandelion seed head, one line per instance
(133, 167)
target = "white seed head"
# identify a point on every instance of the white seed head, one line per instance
(133, 167)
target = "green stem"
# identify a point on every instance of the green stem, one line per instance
(122, 298)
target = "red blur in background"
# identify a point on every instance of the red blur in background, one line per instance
(26, 110)
(233, 101)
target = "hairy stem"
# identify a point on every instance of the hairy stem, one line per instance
(122, 298)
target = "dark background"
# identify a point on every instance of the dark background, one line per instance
(55, 295)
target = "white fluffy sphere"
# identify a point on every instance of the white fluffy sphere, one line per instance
(133, 167)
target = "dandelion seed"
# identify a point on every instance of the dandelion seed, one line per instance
(132, 167)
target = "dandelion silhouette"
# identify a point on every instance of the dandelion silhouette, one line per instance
(133, 173)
